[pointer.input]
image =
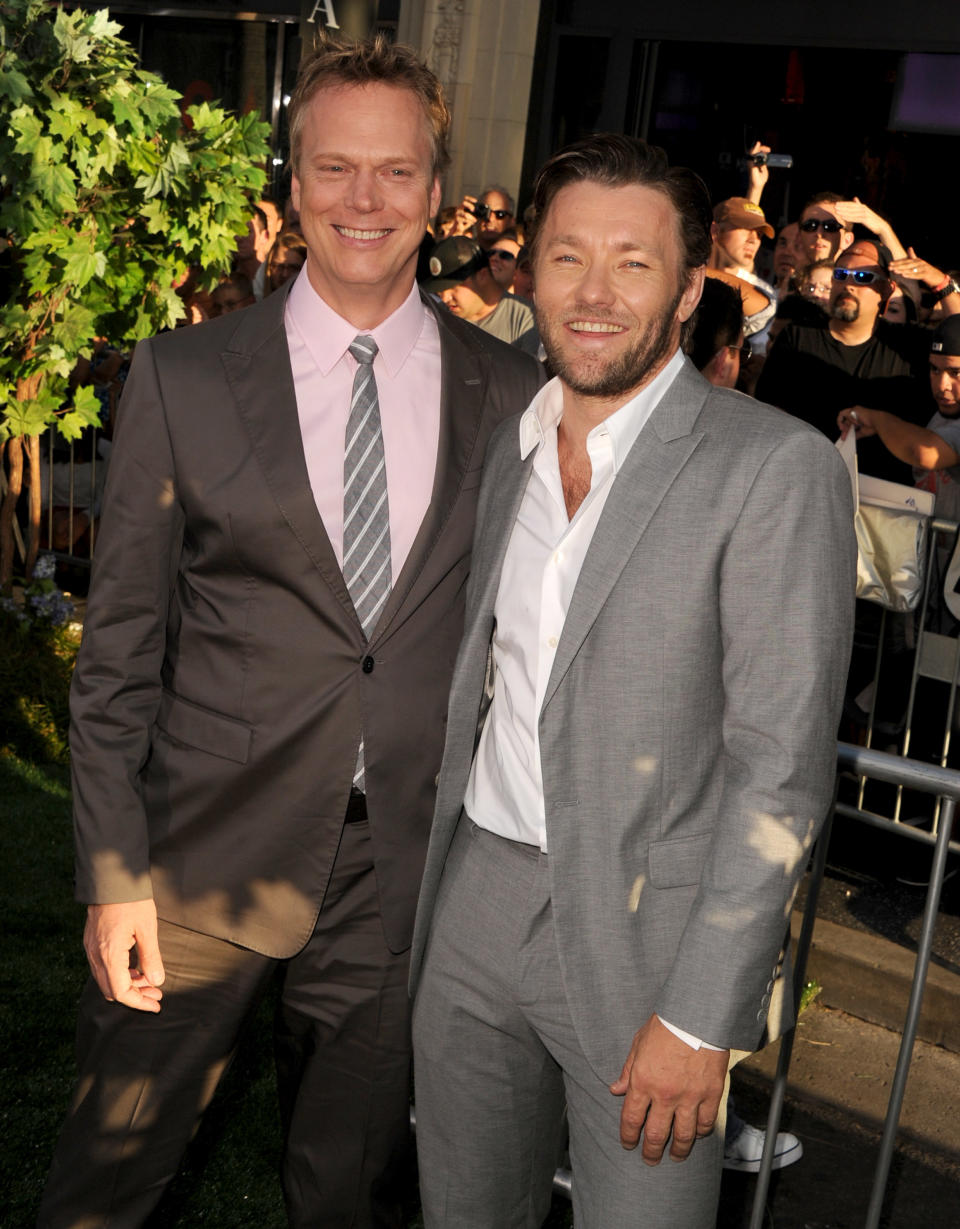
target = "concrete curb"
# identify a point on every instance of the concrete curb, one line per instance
(870, 978)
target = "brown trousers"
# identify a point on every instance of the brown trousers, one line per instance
(342, 1052)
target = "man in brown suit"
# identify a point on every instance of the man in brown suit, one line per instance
(256, 741)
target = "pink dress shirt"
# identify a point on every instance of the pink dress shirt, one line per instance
(407, 369)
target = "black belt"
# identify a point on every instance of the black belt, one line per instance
(356, 807)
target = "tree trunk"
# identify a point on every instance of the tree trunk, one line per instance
(13, 450)
(35, 505)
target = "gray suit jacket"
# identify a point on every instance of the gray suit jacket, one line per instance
(688, 731)
(223, 677)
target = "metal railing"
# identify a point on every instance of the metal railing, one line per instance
(944, 784)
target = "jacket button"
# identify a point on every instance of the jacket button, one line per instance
(367, 665)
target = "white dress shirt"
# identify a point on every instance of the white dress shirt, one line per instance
(540, 572)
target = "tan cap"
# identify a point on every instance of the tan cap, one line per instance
(738, 211)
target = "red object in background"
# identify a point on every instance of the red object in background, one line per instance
(793, 90)
(196, 91)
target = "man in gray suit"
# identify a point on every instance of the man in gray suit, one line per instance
(641, 736)
(259, 703)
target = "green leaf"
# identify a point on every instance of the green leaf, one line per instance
(25, 418)
(85, 412)
(75, 329)
(27, 126)
(14, 85)
(81, 265)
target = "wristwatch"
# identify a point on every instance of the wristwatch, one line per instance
(949, 287)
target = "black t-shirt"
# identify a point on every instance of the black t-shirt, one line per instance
(813, 376)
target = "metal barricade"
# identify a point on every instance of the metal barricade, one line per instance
(944, 784)
(72, 478)
(936, 656)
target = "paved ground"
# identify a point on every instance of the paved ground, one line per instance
(839, 1087)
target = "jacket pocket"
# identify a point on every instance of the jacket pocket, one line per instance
(204, 729)
(678, 863)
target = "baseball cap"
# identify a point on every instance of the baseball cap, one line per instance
(873, 249)
(738, 211)
(946, 337)
(452, 261)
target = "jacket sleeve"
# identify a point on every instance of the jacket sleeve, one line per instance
(786, 602)
(117, 683)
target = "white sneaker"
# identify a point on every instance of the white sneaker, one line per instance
(746, 1150)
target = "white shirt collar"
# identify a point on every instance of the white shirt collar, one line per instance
(623, 426)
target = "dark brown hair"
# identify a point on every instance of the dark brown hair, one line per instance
(336, 62)
(617, 161)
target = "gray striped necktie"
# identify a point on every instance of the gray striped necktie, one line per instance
(366, 519)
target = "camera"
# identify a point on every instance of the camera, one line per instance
(480, 211)
(781, 161)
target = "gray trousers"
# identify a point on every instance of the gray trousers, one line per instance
(497, 1060)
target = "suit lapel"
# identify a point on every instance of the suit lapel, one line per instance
(463, 389)
(257, 366)
(509, 482)
(649, 470)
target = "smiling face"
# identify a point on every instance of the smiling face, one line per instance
(364, 188)
(610, 294)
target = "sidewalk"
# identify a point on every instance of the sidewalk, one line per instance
(839, 1084)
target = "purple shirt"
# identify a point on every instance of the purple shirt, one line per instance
(407, 370)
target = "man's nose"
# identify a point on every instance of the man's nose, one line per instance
(595, 285)
(365, 192)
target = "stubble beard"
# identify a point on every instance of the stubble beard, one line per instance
(591, 376)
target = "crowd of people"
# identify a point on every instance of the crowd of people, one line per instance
(444, 644)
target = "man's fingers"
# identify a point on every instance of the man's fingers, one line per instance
(685, 1132)
(656, 1133)
(113, 934)
(632, 1118)
(148, 953)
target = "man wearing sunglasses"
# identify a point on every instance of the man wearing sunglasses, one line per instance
(487, 216)
(822, 233)
(854, 357)
(503, 259)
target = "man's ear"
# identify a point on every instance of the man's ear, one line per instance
(691, 295)
(714, 232)
(435, 196)
(846, 238)
(295, 193)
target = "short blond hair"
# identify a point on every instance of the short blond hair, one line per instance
(338, 61)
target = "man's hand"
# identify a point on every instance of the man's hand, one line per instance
(465, 219)
(860, 419)
(668, 1087)
(109, 937)
(853, 211)
(917, 270)
(757, 176)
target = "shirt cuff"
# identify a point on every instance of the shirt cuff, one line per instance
(695, 1043)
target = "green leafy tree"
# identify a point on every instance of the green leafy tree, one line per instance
(107, 200)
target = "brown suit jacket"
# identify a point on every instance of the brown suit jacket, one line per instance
(223, 678)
